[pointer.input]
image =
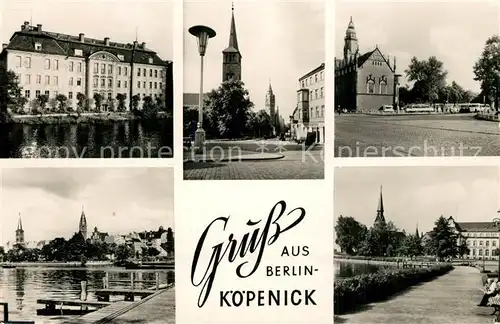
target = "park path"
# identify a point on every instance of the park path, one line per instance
(451, 298)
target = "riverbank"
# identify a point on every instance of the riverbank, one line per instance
(488, 117)
(75, 118)
(89, 264)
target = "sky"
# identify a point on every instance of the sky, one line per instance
(418, 194)
(454, 32)
(278, 40)
(50, 200)
(151, 21)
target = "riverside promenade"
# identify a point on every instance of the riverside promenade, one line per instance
(451, 298)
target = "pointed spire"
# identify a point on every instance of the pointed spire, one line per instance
(19, 223)
(416, 232)
(270, 88)
(380, 210)
(233, 39)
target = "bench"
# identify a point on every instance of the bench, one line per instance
(495, 303)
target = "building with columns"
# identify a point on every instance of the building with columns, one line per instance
(52, 63)
(364, 82)
(309, 114)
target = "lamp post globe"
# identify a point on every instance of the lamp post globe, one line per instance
(202, 34)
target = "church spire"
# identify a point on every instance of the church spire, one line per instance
(82, 228)
(270, 88)
(380, 210)
(233, 39)
(19, 223)
(417, 234)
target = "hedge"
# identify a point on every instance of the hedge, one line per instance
(366, 288)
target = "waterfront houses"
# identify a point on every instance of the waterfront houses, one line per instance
(106, 73)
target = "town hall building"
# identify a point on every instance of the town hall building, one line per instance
(364, 82)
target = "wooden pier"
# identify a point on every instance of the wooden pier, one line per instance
(104, 294)
(6, 316)
(51, 306)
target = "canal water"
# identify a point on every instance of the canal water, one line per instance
(121, 139)
(21, 287)
(346, 269)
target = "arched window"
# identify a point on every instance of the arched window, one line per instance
(487, 243)
(480, 243)
(370, 86)
(383, 87)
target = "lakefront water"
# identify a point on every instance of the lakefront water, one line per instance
(21, 287)
(111, 139)
(345, 268)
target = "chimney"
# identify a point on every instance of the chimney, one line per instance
(144, 45)
(4, 46)
(82, 37)
(39, 27)
(106, 41)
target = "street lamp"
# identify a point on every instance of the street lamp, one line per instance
(496, 223)
(497, 92)
(202, 33)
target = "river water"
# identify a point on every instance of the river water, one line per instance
(121, 139)
(345, 269)
(21, 287)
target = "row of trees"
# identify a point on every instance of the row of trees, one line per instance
(428, 79)
(227, 113)
(384, 239)
(81, 250)
(11, 97)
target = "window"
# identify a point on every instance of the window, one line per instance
(302, 83)
(119, 70)
(79, 82)
(480, 251)
(27, 93)
(150, 85)
(143, 72)
(38, 79)
(144, 84)
(139, 72)
(79, 67)
(124, 84)
(323, 111)
(71, 66)
(71, 81)
(38, 46)
(70, 95)
(150, 60)
(316, 78)
(96, 82)
(110, 83)
(27, 79)
(161, 85)
(47, 93)
(78, 52)
(103, 68)
(47, 79)
(316, 94)
(18, 61)
(322, 92)
(480, 243)
(150, 73)
(56, 80)
(27, 62)
(139, 84)
(312, 111)
(474, 243)
(110, 95)
(494, 243)
(96, 68)
(487, 243)
(47, 64)
(487, 252)
(156, 85)
(37, 93)
(125, 71)
(118, 84)
(156, 73)
(56, 65)
(110, 69)
(383, 87)
(103, 83)
(370, 86)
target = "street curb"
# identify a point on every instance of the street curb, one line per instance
(240, 158)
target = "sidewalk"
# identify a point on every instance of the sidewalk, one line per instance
(449, 299)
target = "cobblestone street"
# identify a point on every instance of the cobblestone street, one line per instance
(294, 165)
(425, 135)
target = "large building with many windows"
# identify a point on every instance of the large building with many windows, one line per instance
(309, 114)
(51, 63)
(482, 238)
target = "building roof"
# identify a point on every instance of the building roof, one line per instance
(233, 39)
(316, 70)
(477, 226)
(65, 45)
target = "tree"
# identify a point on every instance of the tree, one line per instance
(428, 76)
(170, 241)
(135, 102)
(190, 119)
(123, 253)
(463, 248)
(227, 110)
(42, 101)
(149, 109)
(487, 69)
(80, 97)
(62, 99)
(53, 104)
(443, 240)
(10, 91)
(350, 234)
(98, 98)
(121, 97)
(412, 246)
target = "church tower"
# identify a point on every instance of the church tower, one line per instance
(20, 233)
(380, 219)
(82, 228)
(351, 47)
(231, 56)
(271, 105)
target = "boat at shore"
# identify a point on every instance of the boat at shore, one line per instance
(8, 266)
(148, 265)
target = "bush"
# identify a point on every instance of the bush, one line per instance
(367, 288)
